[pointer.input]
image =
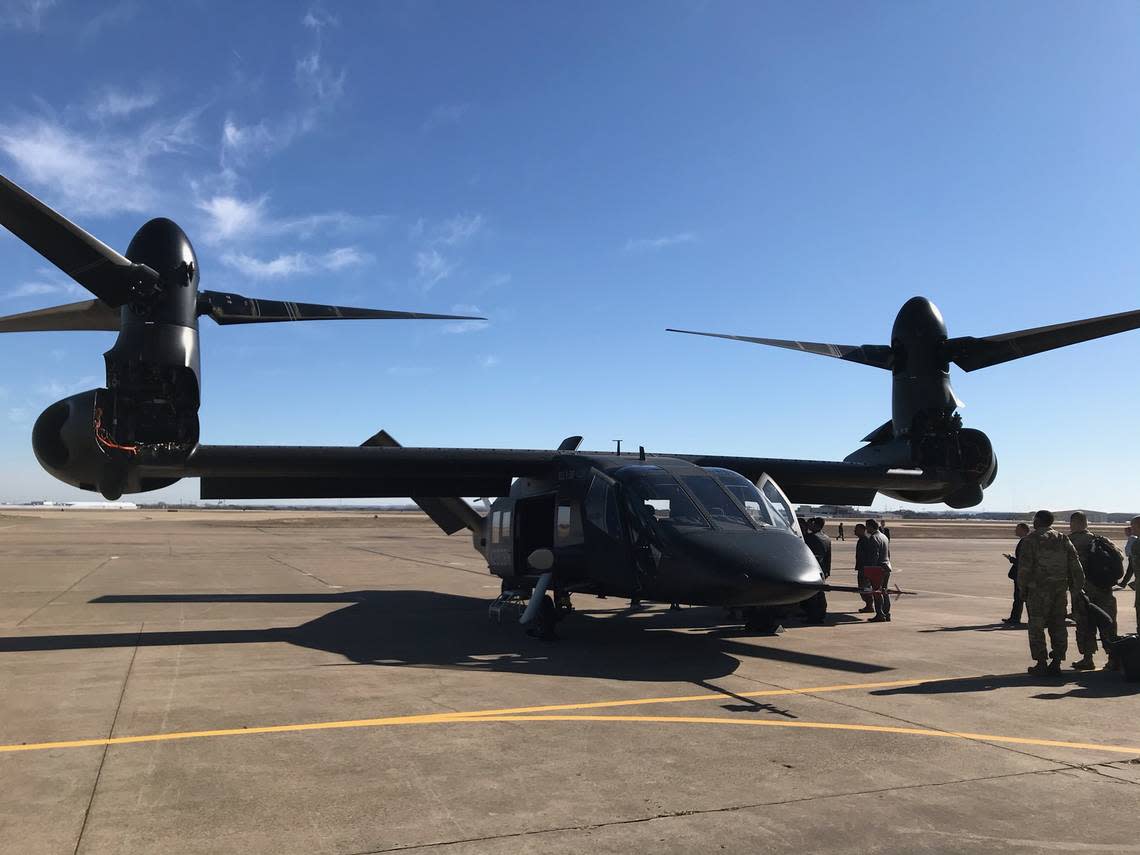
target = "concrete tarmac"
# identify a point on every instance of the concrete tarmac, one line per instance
(286, 682)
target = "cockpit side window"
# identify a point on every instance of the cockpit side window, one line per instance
(601, 506)
(779, 504)
(656, 493)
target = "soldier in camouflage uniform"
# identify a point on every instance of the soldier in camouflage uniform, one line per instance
(1135, 556)
(1047, 570)
(1098, 596)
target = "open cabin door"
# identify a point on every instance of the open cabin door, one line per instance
(533, 528)
(778, 502)
(608, 550)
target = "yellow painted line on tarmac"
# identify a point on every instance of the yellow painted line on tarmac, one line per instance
(549, 713)
(683, 699)
(429, 718)
(819, 725)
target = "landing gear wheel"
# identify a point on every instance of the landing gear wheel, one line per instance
(543, 627)
(763, 621)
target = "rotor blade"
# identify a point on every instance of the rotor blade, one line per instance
(80, 255)
(970, 353)
(87, 315)
(236, 309)
(875, 355)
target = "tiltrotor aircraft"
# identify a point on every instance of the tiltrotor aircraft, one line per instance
(686, 528)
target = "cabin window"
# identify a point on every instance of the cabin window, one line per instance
(564, 516)
(496, 521)
(506, 532)
(602, 508)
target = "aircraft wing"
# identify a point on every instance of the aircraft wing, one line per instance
(334, 472)
(330, 472)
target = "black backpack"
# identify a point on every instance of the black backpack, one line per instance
(1105, 565)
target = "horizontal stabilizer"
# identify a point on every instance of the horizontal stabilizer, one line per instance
(236, 309)
(970, 353)
(450, 513)
(87, 315)
(86, 259)
(878, 356)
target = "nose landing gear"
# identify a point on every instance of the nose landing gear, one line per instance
(763, 620)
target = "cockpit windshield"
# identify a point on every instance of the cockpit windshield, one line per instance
(720, 507)
(661, 496)
(767, 507)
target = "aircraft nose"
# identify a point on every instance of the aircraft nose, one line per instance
(769, 567)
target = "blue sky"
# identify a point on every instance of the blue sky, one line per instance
(585, 175)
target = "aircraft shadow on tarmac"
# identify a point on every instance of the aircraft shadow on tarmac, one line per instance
(1074, 684)
(435, 630)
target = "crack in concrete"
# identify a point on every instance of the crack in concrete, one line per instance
(313, 576)
(106, 748)
(65, 590)
(482, 573)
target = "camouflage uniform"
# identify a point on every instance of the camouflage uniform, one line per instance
(1135, 556)
(1098, 596)
(1047, 569)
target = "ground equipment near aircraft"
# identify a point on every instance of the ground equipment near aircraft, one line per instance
(925, 431)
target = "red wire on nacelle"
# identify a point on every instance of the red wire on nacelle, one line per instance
(104, 440)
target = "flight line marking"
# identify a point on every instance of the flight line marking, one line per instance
(549, 713)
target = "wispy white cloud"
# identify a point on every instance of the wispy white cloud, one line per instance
(229, 217)
(294, 264)
(46, 392)
(23, 14)
(317, 18)
(320, 88)
(97, 173)
(112, 103)
(489, 361)
(459, 229)
(56, 389)
(658, 243)
(108, 16)
(40, 289)
(232, 218)
(445, 115)
(460, 327)
(431, 267)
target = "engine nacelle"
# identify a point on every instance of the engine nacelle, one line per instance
(966, 456)
(75, 441)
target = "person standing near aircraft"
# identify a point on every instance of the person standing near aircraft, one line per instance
(1048, 569)
(1129, 539)
(840, 534)
(860, 560)
(1134, 561)
(820, 546)
(877, 569)
(1014, 618)
(1097, 588)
